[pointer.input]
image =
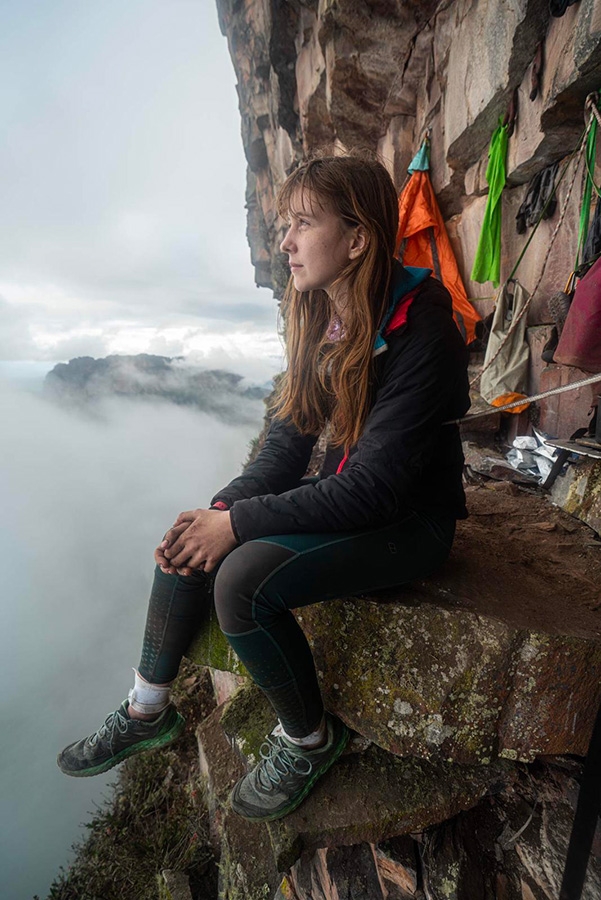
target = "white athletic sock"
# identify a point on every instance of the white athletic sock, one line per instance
(148, 698)
(311, 741)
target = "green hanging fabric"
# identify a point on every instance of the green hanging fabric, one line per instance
(585, 211)
(487, 264)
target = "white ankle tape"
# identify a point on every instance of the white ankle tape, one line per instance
(148, 698)
(310, 740)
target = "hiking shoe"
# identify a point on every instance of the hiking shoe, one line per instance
(286, 774)
(118, 738)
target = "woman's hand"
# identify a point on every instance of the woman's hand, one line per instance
(159, 554)
(199, 539)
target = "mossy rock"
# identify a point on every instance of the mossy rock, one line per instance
(247, 719)
(365, 796)
(210, 647)
(420, 679)
(173, 885)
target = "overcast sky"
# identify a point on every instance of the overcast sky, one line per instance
(122, 230)
(122, 176)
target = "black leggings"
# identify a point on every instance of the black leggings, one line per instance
(258, 584)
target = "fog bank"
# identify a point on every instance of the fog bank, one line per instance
(84, 502)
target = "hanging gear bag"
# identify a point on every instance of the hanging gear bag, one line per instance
(580, 341)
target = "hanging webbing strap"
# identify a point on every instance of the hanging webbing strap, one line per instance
(595, 117)
(589, 184)
(585, 820)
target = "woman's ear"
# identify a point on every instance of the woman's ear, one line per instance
(359, 242)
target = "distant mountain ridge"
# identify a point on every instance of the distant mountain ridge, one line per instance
(84, 380)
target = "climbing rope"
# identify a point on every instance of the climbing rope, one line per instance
(589, 103)
(523, 400)
(594, 115)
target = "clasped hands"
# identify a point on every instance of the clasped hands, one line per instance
(198, 539)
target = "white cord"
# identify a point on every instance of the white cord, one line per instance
(495, 409)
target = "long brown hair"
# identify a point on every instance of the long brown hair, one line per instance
(325, 380)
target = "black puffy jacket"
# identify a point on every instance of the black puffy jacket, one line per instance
(406, 458)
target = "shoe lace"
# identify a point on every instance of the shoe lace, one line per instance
(113, 722)
(280, 761)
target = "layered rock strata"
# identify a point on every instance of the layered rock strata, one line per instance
(342, 74)
(365, 831)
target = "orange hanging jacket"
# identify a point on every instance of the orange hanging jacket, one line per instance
(422, 240)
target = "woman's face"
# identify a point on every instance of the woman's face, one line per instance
(319, 244)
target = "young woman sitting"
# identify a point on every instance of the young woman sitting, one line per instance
(374, 354)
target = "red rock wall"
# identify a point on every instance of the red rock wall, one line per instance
(378, 74)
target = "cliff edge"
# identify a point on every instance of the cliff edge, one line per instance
(472, 695)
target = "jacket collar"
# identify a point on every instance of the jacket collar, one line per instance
(404, 280)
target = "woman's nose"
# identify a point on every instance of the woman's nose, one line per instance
(287, 242)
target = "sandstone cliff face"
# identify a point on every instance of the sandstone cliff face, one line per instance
(465, 693)
(342, 74)
(346, 73)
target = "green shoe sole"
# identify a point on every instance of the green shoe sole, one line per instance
(155, 743)
(296, 801)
